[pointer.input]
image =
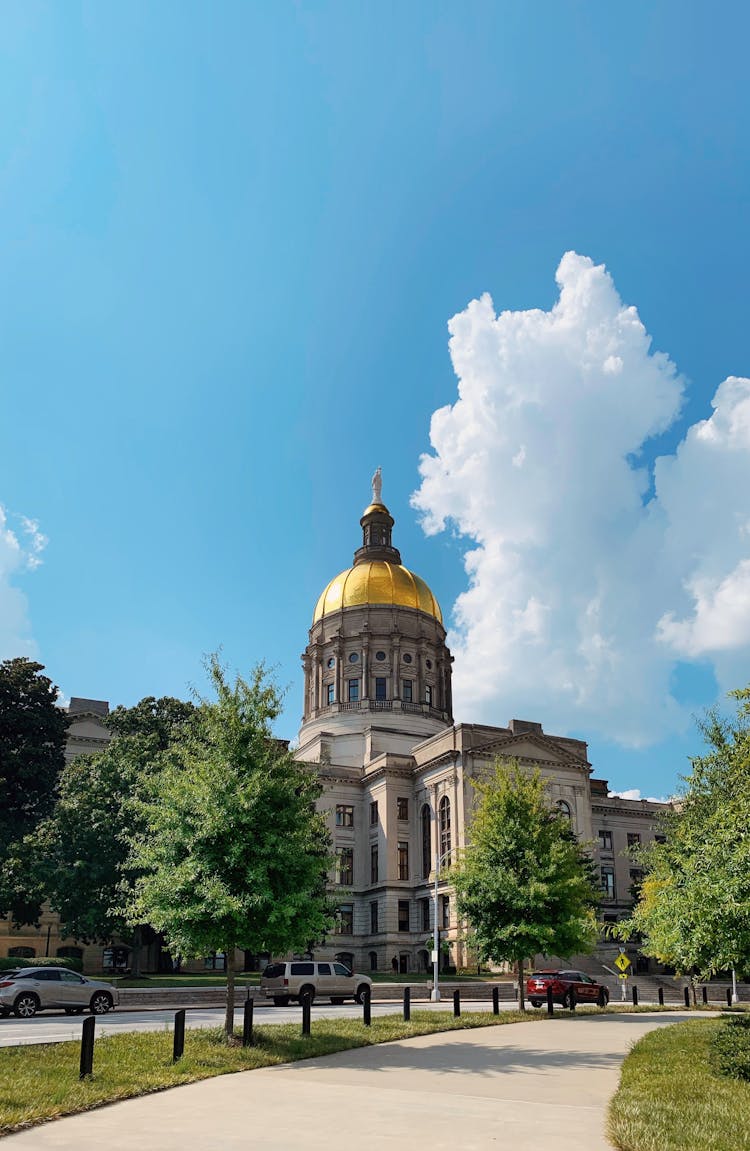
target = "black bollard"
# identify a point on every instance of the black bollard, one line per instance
(495, 1000)
(87, 1047)
(366, 1015)
(247, 1024)
(635, 995)
(306, 1014)
(704, 991)
(407, 1004)
(687, 996)
(572, 998)
(178, 1044)
(550, 1002)
(729, 996)
(661, 996)
(456, 1004)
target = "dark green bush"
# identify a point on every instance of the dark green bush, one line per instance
(730, 1048)
(13, 963)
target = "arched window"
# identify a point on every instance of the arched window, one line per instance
(564, 807)
(426, 840)
(444, 812)
(70, 953)
(373, 961)
(21, 952)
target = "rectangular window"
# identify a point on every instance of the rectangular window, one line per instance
(380, 691)
(403, 914)
(345, 919)
(403, 807)
(428, 694)
(633, 839)
(660, 838)
(353, 690)
(374, 813)
(445, 920)
(425, 914)
(605, 840)
(374, 871)
(608, 882)
(636, 879)
(344, 815)
(331, 693)
(345, 866)
(407, 686)
(373, 918)
(403, 860)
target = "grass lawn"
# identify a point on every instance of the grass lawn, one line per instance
(670, 1100)
(41, 1082)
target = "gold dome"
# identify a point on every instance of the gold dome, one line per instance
(377, 582)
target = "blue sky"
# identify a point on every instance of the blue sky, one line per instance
(233, 237)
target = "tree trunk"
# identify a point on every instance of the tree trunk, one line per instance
(229, 1017)
(135, 966)
(521, 987)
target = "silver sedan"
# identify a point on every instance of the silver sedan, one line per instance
(33, 989)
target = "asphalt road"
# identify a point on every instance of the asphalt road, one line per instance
(56, 1027)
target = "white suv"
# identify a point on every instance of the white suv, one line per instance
(301, 979)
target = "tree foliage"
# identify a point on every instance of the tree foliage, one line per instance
(694, 908)
(524, 884)
(233, 854)
(32, 755)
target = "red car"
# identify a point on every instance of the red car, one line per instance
(587, 990)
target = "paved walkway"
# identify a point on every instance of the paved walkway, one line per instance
(528, 1086)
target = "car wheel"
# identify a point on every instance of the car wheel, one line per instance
(101, 1003)
(307, 995)
(603, 999)
(337, 1000)
(359, 995)
(26, 1006)
(566, 999)
(281, 1000)
(535, 1002)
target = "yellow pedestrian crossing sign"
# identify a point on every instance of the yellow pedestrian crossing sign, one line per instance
(622, 962)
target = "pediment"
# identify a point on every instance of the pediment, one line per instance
(529, 746)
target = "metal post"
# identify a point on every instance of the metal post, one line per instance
(704, 994)
(735, 996)
(247, 1024)
(178, 1046)
(572, 998)
(366, 1016)
(550, 1002)
(305, 1014)
(87, 1047)
(687, 996)
(435, 994)
(456, 1003)
(635, 995)
(495, 1000)
(729, 996)
(407, 1004)
(661, 996)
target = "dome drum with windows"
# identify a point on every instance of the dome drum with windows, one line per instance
(377, 640)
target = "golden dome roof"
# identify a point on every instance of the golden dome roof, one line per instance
(377, 582)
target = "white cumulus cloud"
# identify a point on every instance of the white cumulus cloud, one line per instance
(20, 551)
(585, 587)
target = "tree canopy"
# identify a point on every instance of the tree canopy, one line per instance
(525, 884)
(233, 853)
(694, 906)
(32, 755)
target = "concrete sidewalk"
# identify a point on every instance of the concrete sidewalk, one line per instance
(540, 1086)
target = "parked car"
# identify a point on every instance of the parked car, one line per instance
(587, 990)
(300, 979)
(35, 989)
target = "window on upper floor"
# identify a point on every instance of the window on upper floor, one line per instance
(402, 807)
(373, 918)
(345, 919)
(608, 882)
(380, 687)
(403, 860)
(425, 905)
(605, 840)
(564, 807)
(353, 685)
(633, 839)
(331, 693)
(374, 872)
(403, 914)
(445, 912)
(345, 866)
(374, 813)
(344, 815)
(428, 694)
(426, 840)
(407, 690)
(444, 813)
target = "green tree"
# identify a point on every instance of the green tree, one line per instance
(80, 853)
(32, 755)
(694, 906)
(524, 884)
(234, 854)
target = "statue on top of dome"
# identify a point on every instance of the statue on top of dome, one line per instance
(377, 486)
